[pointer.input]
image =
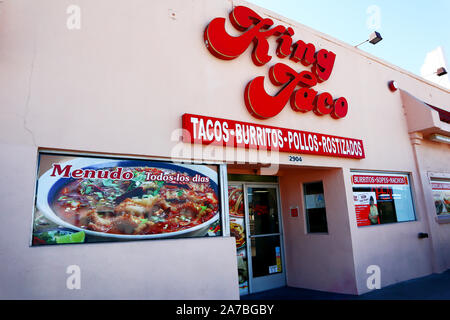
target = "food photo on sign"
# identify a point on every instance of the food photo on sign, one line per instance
(441, 196)
(237, 230)
(89, 199)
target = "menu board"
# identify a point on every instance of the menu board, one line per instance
(441, 196)
(96, 199)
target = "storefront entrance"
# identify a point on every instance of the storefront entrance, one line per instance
(255, 222)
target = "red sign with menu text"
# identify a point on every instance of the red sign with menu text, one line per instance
(230, 133)
(366, 179)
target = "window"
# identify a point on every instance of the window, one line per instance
(441, 196)
(316, 218)
(87, 198)
(382, 198)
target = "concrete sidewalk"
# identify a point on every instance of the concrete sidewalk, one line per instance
(432, 287)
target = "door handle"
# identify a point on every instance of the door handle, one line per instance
(264, 235)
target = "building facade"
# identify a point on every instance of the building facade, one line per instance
(323, 174)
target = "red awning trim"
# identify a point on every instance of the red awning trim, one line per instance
(443, 114)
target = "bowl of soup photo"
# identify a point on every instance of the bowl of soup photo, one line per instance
(130, 199)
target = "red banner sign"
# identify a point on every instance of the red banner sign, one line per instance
(366, 179)
(230, 133)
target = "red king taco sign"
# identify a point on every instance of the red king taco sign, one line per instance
(296, 88)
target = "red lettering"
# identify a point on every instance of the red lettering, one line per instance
(102, 174)
(324, 65)
(285, 43)
(89, 173)
(340, 108)
(227, 47)
(57, 170)
(77, 173)
(304, 53)
(323, 104)
(128, 175)
(302, 99)
(262, 105)
(256, 30)
(116, 174)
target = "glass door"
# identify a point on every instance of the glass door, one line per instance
(255, 223)
(266, 265)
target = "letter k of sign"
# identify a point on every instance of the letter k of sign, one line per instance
(262, 105)
(227, 47)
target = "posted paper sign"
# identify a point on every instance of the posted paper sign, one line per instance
(441, 196)
(363, 208)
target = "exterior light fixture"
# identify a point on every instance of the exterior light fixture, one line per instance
(374, 38)
(440, 138)
(441, 71)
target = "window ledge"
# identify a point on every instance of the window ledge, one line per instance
(443, 219)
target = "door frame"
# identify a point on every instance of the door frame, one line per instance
(263, 283)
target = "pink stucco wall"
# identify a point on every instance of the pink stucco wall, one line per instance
(433, 161)
(174, 269)
(318, 261)
(120, 85)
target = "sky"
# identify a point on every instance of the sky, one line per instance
(409, 28)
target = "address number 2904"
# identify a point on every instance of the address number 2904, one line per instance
(295, 159)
